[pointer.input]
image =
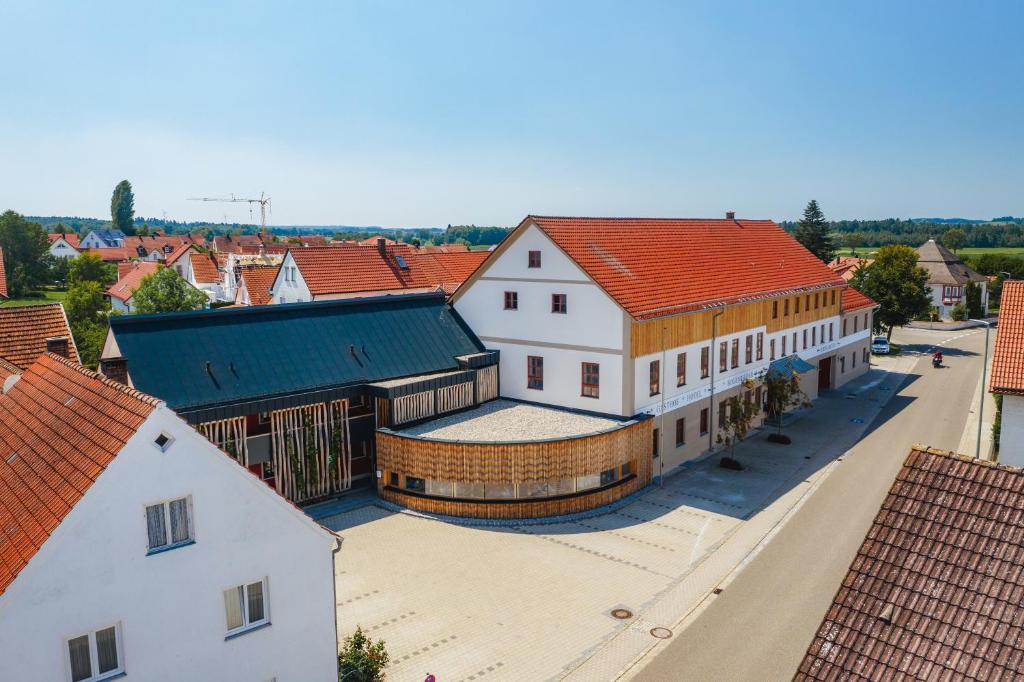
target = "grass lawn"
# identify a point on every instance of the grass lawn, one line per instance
(869, 252)
(479, 247)
(47, 296)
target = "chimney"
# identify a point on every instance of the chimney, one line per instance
(730, 215)
(382, 247)
(58, 345)
(115, 369)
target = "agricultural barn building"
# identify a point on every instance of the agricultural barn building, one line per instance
(934, 593)
(663, 317)
(948, 278)
(26, 332)
(131, 547)
(1008, 373)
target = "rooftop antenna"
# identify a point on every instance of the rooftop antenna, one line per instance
(263, 201)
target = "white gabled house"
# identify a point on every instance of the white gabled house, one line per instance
(104, 238)
(131, 546)
(64, 245)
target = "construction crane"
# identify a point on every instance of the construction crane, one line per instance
(263, 201)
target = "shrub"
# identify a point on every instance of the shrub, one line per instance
(959, 312)
(361, 659)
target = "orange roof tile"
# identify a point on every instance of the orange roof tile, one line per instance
(3, 276)
(124, 288)
(234, 243)
(445, 248)
(1008, 357)
(24, 330)
(70, 237)
(853, 300)
(113, 254)
(351, 269)
(257, 280)
(8, 369)
(934, 592)
(664, 266)
(60, 426)
(204, 267)
(458, 266)
(372, 241)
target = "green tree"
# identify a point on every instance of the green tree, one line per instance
(361, 659)
(27, 259)
(958, 312)
(814, 232)
(122, 208)
(954, 238)
(897, 284)
(972, 297)
(853, 241)
(87, 309)
(165, 292)
(739, 417)
(88, 267)
(781, 393)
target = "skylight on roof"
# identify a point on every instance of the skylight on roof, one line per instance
(401, 262)
(12, 457)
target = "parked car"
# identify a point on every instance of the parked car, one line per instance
(880, 345)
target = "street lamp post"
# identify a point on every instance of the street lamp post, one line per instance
(981, 405)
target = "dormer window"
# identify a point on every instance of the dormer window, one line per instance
(534, 259)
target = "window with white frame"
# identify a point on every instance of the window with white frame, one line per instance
(95, 655)
(169, 524)
(245, 606)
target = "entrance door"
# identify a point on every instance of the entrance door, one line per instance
(824, 374)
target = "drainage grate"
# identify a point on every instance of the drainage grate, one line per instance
(622, 614)
(661, 633)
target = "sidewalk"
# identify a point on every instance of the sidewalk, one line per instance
(534, 601)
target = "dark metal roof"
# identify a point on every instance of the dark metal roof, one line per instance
(211, 358)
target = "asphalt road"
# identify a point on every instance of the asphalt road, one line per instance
(760, 626)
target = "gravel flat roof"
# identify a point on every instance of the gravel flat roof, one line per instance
(505, 420)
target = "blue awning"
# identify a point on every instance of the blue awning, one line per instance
(786, 367)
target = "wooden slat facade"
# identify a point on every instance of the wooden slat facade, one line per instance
(514, 464)
(652, 336)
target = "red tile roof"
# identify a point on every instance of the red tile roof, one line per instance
(204, 267)
(8, 369)
(113, 254)
(24, 330)
(937, 589)
(124, 288)
(1008, 357)
(257, 280)
(372, 241)
(234, 243)
(3, 276)
(853, 300)
(352, 269)
(654, 267)
(445, 248)
(60, 426)
(71, 238)
(457, 265)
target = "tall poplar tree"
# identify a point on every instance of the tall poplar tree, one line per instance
(122, 208)
(813, 232)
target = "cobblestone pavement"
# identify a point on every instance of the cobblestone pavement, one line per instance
(534, 602)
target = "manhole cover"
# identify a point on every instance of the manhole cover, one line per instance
(661, 633)
(622, 614)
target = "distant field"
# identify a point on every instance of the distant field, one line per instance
(47, 297)
(966, 251)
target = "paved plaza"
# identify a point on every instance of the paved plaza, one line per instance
(535, 601)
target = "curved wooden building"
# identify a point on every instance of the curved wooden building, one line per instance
(510, 460)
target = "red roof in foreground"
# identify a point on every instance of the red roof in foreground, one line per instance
(936, 591)
(664, 266)
(60, 426)
(133, 274)
(853, 299)
(1008, 357)
(24, 330)
(3, 276)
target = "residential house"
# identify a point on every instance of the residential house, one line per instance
(28, 331)
(934, 592)
(254, 284)
(1008, 373)
(227, 243)
(104, 238)
(347, 271)
(665, 317)
(948, 278)
(846, 266)
(130, 276)
(130, 546)
(64, 245)
(3, 278)
(204, 273)
(853, 348)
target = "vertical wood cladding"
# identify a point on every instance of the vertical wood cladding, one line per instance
(515, 463)
(680, 330)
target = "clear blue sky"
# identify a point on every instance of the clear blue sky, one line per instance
(428, 113)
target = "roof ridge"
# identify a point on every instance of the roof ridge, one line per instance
(952, 454)
(660, 219)
(116, 385)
